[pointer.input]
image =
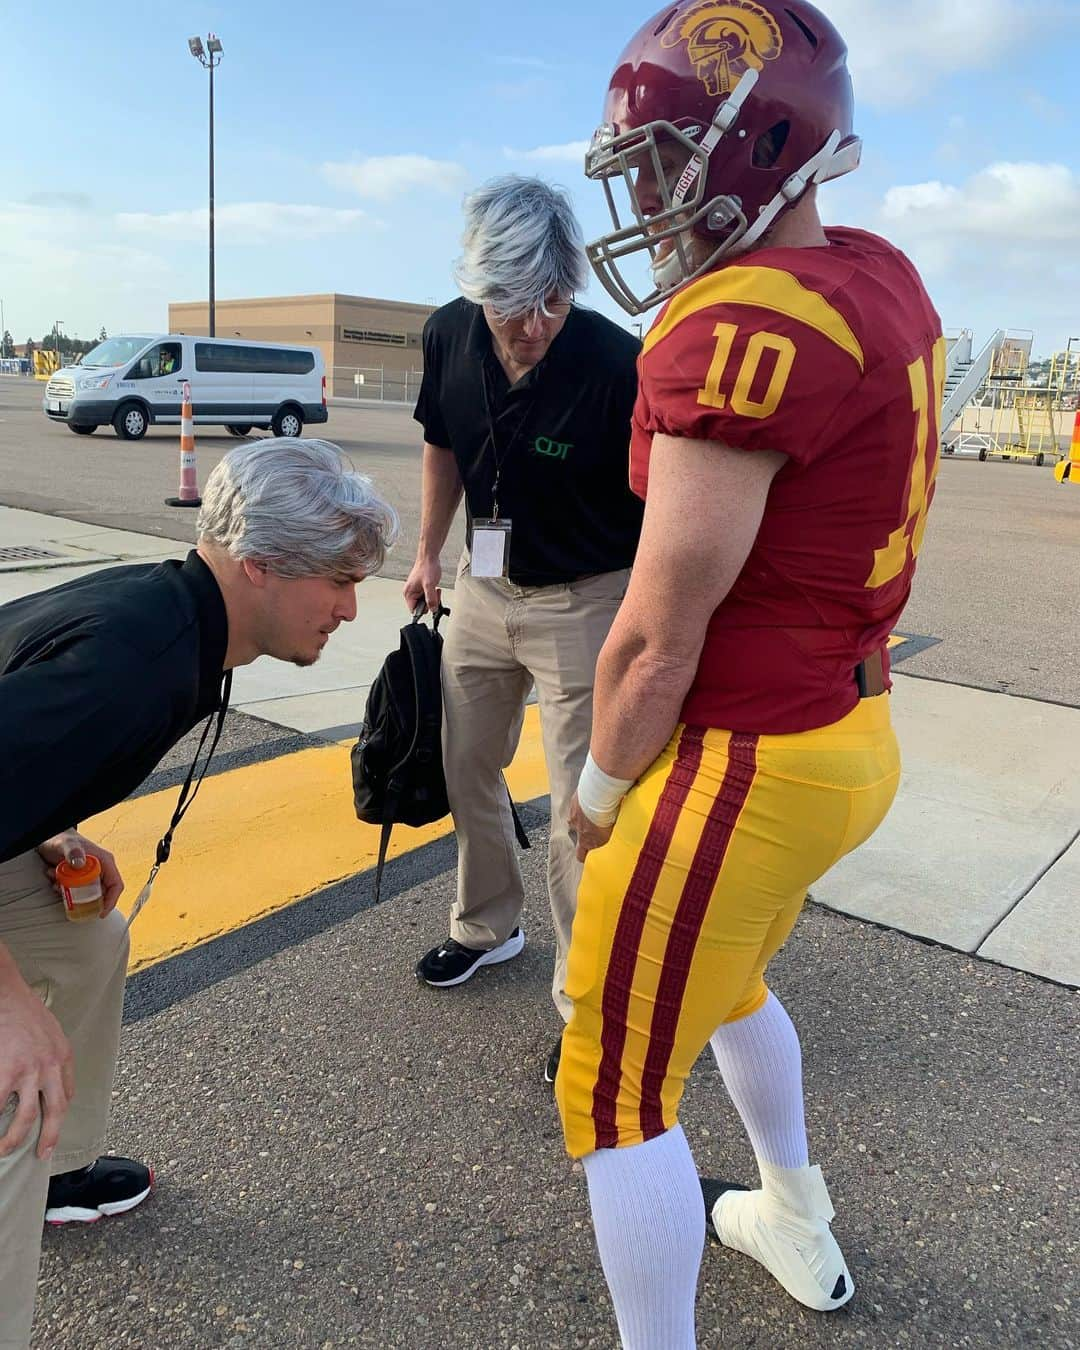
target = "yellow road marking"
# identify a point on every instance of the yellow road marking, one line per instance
(258, 839)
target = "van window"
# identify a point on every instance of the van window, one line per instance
(164, 359)
(235, 359)
(114, 351)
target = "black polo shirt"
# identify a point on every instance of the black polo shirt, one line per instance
(99, 677)
(562, 433)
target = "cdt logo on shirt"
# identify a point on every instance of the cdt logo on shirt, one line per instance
(544, 445)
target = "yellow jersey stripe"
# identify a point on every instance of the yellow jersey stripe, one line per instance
(767, 288)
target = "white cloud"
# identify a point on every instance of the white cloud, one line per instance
(1012, 203)
(998, 249)
(518, 91)
(896, 51)
(383, 177)
(573, 152)
(69, 263)
(530, 62)
(240, 222)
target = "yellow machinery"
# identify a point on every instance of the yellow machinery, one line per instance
(46, 363)
(1019, 414)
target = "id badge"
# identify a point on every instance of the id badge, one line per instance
(489, 554)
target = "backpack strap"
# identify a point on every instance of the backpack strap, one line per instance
(519, 829)
(384, 843)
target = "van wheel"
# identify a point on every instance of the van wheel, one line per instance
(287, 421)
(81, 431)
(130, 422)
(238, 431)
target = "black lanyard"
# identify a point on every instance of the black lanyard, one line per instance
(500, 457)
(187, 794)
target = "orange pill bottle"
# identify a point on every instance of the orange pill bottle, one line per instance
(81, 889)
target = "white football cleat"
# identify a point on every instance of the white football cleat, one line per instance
(785, 1227)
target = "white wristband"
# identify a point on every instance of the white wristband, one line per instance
(599, 794)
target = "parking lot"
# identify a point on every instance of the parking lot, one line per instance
(1001, 558)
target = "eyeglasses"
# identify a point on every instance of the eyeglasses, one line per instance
(556, 309)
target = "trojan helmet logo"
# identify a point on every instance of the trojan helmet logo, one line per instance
(725, 38)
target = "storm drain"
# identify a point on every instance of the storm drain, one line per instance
(25, 553)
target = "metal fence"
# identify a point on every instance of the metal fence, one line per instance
(376, 382)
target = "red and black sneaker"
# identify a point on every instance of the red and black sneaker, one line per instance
(108, 1186)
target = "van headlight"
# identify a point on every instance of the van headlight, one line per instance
(95, 382)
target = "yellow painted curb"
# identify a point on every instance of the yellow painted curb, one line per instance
(259, 839)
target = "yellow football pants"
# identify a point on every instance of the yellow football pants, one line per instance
(680, 912)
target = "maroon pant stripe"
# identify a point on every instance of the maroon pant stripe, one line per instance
(624, 952)
(686, 928)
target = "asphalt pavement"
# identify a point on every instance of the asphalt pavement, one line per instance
(347, 1158)
(107, 481)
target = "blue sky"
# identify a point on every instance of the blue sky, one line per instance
(347, 134)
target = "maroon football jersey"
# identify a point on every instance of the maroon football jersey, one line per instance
(834, 357)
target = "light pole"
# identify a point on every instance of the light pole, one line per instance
(206, 57)
(56, 331)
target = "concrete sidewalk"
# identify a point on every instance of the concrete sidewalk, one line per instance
(980, 852)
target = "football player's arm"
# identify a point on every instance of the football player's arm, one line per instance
(702, 514)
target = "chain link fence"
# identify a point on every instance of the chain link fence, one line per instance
(376, 382)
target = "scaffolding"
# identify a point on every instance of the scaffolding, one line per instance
(1022, 412)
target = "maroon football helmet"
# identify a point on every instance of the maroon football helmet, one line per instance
(719, 116)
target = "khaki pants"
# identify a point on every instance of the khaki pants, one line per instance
(500, 640)
(78, 969)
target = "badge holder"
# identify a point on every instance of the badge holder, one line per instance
(489, 552)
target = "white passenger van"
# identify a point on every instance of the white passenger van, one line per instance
(133, 380)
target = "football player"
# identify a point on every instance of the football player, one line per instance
(785, 440)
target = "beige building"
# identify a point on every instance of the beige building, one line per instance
(371, 347)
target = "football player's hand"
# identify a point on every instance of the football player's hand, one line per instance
(73, 847)
(36, 1062)
(586, 834)
(422, 585)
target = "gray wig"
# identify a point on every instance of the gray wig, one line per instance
(298, 506)
(522, 243)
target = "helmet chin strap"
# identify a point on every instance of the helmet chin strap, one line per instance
(815, 170)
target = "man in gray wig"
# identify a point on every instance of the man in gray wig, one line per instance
(525, 405)
(98, 679)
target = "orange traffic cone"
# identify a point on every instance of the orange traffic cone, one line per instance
(1068, 470)
(189, 484)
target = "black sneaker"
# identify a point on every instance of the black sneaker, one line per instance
(109, 1186)
(551, 1068)
(454, 964)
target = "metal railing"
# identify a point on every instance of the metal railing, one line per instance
(375, 382)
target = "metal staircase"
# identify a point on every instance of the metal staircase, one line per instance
(965, 375)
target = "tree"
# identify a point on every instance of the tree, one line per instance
(102, 335)
(7, 344)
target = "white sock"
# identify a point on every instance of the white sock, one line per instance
(761, 1063)
(650, 1229)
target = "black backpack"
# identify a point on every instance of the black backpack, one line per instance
(397, 767)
